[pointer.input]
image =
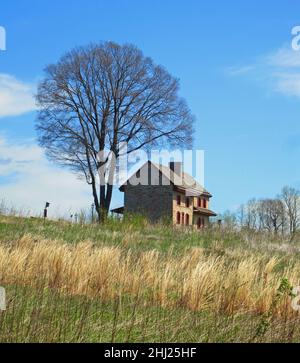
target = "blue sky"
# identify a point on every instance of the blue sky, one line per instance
(238, 73)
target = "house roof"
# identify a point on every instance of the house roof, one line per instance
(205, 211)
(119, 210)
(188, 184)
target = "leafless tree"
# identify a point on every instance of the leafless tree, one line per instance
(271, 213)
(291, 200)
(99, 96)
(229, 219)
(241, 215)
(250, 218)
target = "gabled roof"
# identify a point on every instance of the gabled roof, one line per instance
(188, 184)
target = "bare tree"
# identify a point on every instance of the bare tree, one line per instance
(261, 215)
(291, 200)
(240, 215)
(250, 218)
(99, 96)
(229, 219)
(271, 213)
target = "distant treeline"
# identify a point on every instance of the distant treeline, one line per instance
(277, 215)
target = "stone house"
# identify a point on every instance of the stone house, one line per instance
(166, 193)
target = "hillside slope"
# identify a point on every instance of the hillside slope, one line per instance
(129, 281)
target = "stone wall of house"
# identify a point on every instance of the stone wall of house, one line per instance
(201, 201)
(149, 193)
(152, 201)
(204, 218)
(183, 209)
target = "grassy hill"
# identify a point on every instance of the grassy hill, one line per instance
(133, 282)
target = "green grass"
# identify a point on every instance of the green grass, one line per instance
(134, 233)
(45, 315)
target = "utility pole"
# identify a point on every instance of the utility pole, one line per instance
(93, 207)
(46, 211)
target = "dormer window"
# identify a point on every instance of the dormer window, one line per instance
(178, 199)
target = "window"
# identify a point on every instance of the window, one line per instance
(178, 217)
(200, 223)
(199, 202)
(187, 219)
(187, 202)
(204, 203)
(178, 199)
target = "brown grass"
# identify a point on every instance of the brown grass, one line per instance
(230, 282)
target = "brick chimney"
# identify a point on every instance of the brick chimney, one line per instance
(176, 167)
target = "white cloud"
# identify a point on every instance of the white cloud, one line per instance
(279, 71)
(16, 97)
(288, 84)
(239, 70)
(284, 65)
(284, 68)
(285, 57)
(32, 181)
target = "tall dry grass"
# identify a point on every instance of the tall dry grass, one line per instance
(231, 283)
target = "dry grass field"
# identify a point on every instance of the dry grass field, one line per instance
(132, 282)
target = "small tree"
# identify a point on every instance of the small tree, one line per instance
(291, 200)
(272, 216)
(251, 214)
(229, 219)
(99, 96)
